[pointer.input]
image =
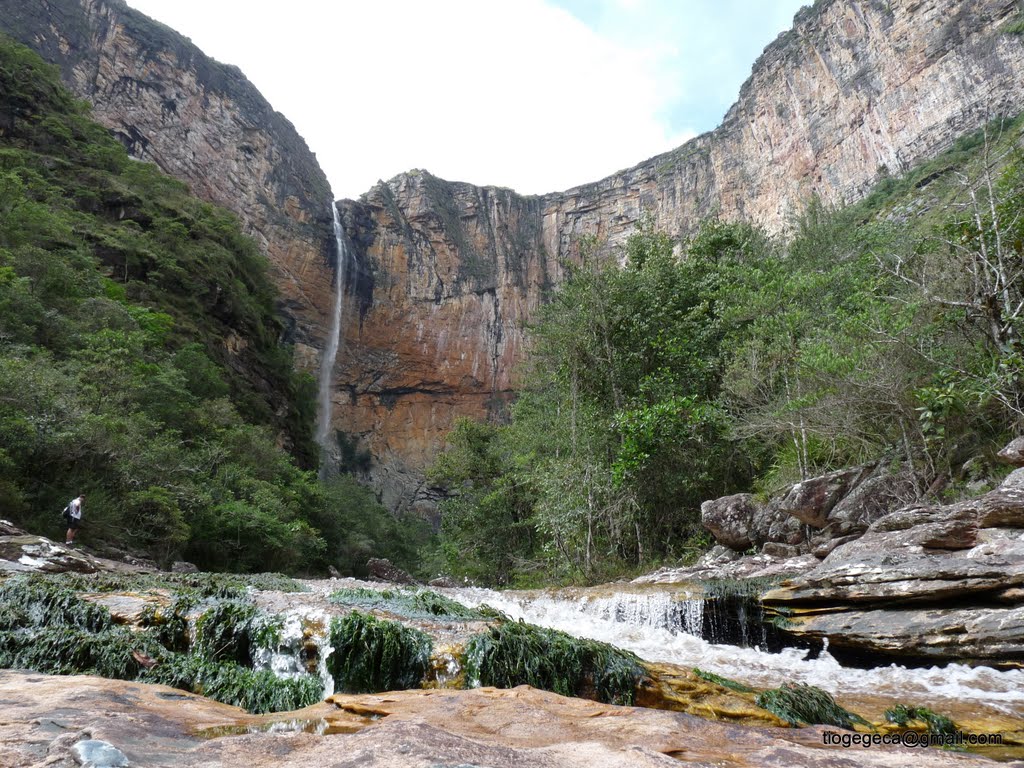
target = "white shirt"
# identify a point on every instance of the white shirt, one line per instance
(75, 508)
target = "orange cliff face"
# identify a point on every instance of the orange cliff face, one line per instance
(449, 273)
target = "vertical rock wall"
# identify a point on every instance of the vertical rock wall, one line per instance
(202, 122)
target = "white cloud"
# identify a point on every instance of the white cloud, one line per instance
(514, 94)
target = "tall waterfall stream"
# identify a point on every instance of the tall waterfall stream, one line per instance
(330, 354)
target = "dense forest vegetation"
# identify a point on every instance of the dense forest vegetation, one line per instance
(733, 361)
(141, 361)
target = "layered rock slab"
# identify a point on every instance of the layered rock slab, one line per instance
(45, 717)
(926, 581)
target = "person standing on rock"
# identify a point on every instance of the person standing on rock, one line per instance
(74, 515)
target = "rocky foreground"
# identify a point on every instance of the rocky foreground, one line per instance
(93, 721)
(57, 721)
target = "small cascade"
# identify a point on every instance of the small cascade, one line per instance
(330, 354)
(661, 628)
(734, 619)
(300, 647)
(678, 612)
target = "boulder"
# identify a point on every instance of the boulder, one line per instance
(873, 498)
(384, 570)
(182, 566)
(810, 501)
(780, 550)
(1013, 453)
(740, 522)
(445, 582)
(732, 519)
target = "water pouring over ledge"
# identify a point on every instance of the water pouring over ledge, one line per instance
(646, 622)
(330, 353)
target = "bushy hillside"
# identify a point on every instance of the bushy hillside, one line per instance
(140, 360)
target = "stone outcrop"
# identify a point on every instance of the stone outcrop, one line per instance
(740, 522)
(202, 122)
(22, 552)
(449, 273)
(926, 581)
(858, 89)
(815, 515)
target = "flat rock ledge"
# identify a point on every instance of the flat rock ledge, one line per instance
(45, 718)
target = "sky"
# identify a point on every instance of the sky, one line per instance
(537, 95)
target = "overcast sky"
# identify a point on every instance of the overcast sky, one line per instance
(537, 95)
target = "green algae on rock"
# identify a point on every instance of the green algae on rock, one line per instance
(372, 654)
(514, 653)
(802, 704)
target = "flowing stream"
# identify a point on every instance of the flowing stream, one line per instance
(330, 354)
(662, 626)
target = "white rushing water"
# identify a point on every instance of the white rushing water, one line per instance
(303, 635)
(330, 354)
(637, 622)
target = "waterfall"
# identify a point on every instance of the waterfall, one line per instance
(330, 354)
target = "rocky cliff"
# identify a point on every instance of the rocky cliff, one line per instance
(202, 122)
(449, 273)
(857, 89)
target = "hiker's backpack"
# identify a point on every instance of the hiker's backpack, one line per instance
(66, 512)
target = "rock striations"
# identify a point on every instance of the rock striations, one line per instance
(449, 273)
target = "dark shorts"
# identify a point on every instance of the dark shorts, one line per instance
(74, 523)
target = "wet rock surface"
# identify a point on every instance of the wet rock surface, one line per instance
(730, 566)
(46, 719)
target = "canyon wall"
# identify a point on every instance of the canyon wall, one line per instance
(856, 89)
(449, 273)
(202, 122)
